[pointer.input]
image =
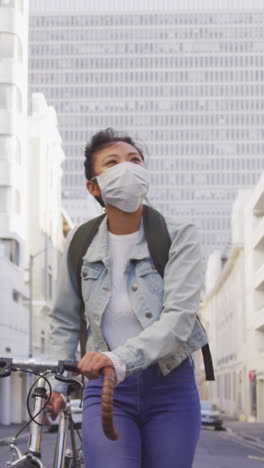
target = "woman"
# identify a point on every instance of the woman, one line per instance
(141, 325)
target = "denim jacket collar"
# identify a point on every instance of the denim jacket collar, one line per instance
(99, 250)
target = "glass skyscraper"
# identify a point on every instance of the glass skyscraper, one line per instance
(186, 78)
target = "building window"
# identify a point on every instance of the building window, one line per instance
(10, 248)
(227, 384)
(5, 193)
(10, 47)
(10, 97)
(7, 3)
(42, 345)
(12, 4)
(234, 386)
(10, 149)
(9, 200)
(253, 392)
(15, 295)
(50, 284)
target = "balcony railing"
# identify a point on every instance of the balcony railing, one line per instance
(259, 278)
(258, 237)
(259, 319)
(258, 205)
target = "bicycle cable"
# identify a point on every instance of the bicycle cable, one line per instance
(76, 429)
(32, 418)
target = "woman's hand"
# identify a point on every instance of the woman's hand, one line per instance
(92, 363)
(55, 404)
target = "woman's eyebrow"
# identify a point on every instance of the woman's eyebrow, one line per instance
(118, 155)
(111, 155)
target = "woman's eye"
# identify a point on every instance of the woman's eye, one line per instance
(136, 159)
(111, 162)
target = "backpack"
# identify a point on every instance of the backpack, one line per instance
(158, 240)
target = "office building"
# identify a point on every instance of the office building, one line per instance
(185, 77)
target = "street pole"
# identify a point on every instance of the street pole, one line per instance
(31, 261)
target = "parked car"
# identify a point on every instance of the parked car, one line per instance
(76, 411)
(211, 415)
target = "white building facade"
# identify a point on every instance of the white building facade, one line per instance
(184, 77)
(14, 318)
(24, 322)
(254, 300)
(31, 218)
(45, 219)
(222, 313)
(232, 311)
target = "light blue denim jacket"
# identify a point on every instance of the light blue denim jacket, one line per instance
(166, 308)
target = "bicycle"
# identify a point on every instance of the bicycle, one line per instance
(63, 457)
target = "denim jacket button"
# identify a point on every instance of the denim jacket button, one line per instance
(134, 287)
(169, 366)
(148, 314)
(84, 274)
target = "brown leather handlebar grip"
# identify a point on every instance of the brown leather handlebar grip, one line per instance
(107, 403)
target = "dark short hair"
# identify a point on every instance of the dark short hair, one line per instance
(100, 140)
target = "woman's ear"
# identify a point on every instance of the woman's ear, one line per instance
(93, 188)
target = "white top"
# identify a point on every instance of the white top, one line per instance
(119, 320)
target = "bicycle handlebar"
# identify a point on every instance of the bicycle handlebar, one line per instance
(8, 365)
(33, 365)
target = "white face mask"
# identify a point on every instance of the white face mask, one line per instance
(124, 186)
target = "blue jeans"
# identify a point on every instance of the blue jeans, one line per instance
(158, 420)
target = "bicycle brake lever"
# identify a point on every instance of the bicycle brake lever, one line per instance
(70, 380)
(5, 367)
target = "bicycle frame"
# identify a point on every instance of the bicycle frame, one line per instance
(63, 456)
(32, 457)
(60, 451)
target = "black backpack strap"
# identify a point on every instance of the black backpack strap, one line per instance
(158, 240)
(208, 363)
(157, 237)
(207, 358)
(80, 242)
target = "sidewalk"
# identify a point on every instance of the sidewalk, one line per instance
(6, 432)
(253, 432)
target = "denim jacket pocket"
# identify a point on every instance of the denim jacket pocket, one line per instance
(151, 278)
(89, 274)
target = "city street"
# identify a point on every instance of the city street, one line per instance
(224, 450)
(216, 450)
